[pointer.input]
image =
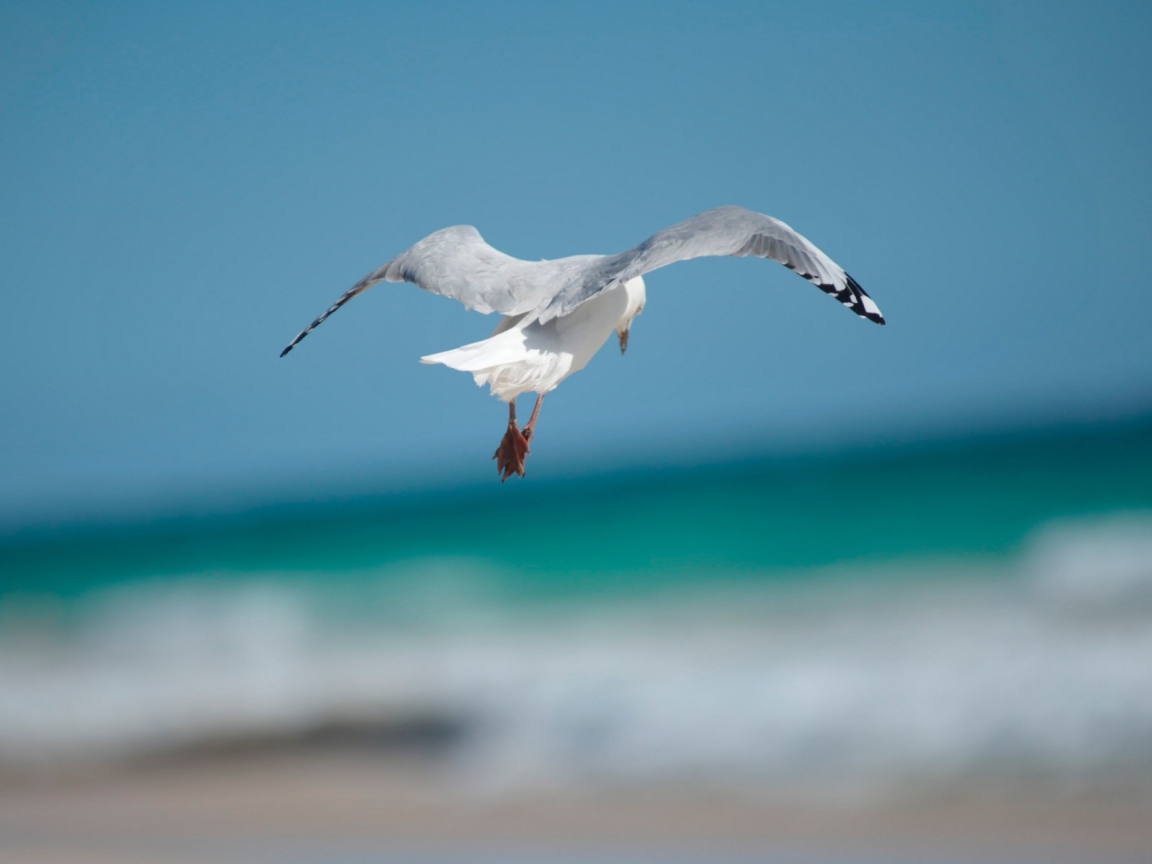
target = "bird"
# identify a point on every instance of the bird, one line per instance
(556, 314)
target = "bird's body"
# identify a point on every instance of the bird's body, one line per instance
(558, 314)
(526, 356)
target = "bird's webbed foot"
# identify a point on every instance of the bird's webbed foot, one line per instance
(512, 452)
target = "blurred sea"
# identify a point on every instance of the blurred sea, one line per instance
(872, 619)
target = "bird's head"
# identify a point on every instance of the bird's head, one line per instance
(636, 299)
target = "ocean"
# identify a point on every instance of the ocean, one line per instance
(837, 623)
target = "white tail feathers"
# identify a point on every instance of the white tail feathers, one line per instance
(506, 363)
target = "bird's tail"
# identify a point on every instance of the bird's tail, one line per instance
(360, 287)
(500, 349)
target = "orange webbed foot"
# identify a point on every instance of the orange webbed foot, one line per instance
(512, 452)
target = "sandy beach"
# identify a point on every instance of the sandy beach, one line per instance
(358, 806)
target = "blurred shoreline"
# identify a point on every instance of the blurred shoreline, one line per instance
(353, 805)
(856, 679)
(928, 649)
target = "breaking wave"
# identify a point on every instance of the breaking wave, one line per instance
(925, 672)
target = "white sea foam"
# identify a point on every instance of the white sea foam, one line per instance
(1104, 562)
(853, 682)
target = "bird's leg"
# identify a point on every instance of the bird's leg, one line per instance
(513, 449)
(530, 429)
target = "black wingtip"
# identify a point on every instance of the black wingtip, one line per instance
(860, 307)
(299, 337)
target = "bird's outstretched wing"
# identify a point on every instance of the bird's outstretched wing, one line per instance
(359, 288)
(723, 231)
(457, 263)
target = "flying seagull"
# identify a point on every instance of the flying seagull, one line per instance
(557, 314)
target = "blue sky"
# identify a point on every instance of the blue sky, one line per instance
(185, 186)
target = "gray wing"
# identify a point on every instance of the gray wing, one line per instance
(457, 263)
(723, 231)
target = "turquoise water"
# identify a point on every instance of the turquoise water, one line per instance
(749, 519)
(838, 622)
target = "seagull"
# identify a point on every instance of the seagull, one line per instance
(558, 314)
